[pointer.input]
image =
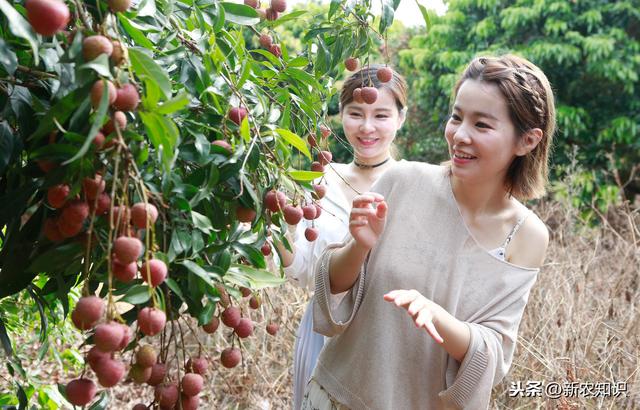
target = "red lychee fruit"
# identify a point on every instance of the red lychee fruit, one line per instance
(117, 56)
(103, 204)
(317, 167)
(189, 402)
(224, 145)
(292, 214)
(98, 140)
(127, 249)
(318, 210)
(93, 46)
(225, 300)
(108, 336)
(351, 63)
(95, 356)
(140, 213)
(142, 406)
(158, 372)
(47, 17)
(151, 321)
(237, 114)
(154, 269)
(198, 365)
(275, 48)
(57, 195)
(245, 291)
(166, 394)
(126, 336)
(69, 230)
(146, 356)
(252, 3)
(244, 328)
(109, 372)
(121, 215)
(309, 212)
(139, 373)
(311, 234)
(231, 316)
(74, 213)
(245, 214)
(212, 326)
(384, 74)
(80, 392)
(87, 312)
(124, 273)
(120, 119)
(265, 40)
(271, 15)
(230, 357)
(265, 249)
(357, 95)
(319, 191)
(192, 384)
(51, 230)
(369, 95)
(325, 157)
(119, 5)
(127, 98)
(279, 5)
(254, 302)
(93, 187)
(272, 201)
(97, 90)
(311, 139)
(272, 328)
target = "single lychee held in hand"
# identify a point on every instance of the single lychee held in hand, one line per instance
(80, 392)
(87, 312)
(237, 114)
(154, 270)
(151, 321)
(127, 249)
(230, 357)
(47, 17)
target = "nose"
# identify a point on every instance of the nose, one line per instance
(366, 126)
(461, 135)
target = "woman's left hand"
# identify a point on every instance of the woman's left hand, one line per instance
(423, 311)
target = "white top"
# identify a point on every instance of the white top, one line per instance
(333, 226)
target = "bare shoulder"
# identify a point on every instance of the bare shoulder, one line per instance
(529, 244)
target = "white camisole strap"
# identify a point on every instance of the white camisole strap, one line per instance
(500, 252)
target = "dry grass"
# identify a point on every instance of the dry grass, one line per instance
(581, 325)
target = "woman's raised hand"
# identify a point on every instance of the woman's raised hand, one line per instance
(367, 219)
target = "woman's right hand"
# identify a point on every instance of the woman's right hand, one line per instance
(367, 219)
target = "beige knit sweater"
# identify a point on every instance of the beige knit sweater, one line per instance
(377, 358)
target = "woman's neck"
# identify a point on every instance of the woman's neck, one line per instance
(488, 197)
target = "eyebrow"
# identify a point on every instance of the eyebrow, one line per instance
(478, 113)
(377, 109)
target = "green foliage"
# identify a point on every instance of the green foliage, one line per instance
(590, 51)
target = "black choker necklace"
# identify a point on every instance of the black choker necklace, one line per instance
(365, 166)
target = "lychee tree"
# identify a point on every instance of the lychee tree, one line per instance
(150, 156)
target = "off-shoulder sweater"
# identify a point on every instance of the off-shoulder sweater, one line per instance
(377, 358)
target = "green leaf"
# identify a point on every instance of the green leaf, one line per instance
(60, 111)
(147, 8)
(163, 133)
(198, 271)
(201, 222)
(295, 141)
(305, 176)
(257, 278)
(96, 124)
(20, 28)
(240, 14)
(100, 65)
(102, 403)
(387, 16)
(244, 130)
(425, 15)
(175, 104)
(173, 285)
(137, 35)
(136, 295)
(8, 144)
(8, 58)
(147, 69)
(206, 314)
(4, 338)
(55, 258)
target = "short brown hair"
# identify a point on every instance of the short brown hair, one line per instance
(367, 77)
(530, 100)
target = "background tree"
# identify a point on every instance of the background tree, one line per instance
(590, 51)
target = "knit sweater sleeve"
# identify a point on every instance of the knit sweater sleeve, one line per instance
(488, 358)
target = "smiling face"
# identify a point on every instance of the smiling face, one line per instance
(371, 128)
(481, 137)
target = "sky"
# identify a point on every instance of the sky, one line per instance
(407, 12)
